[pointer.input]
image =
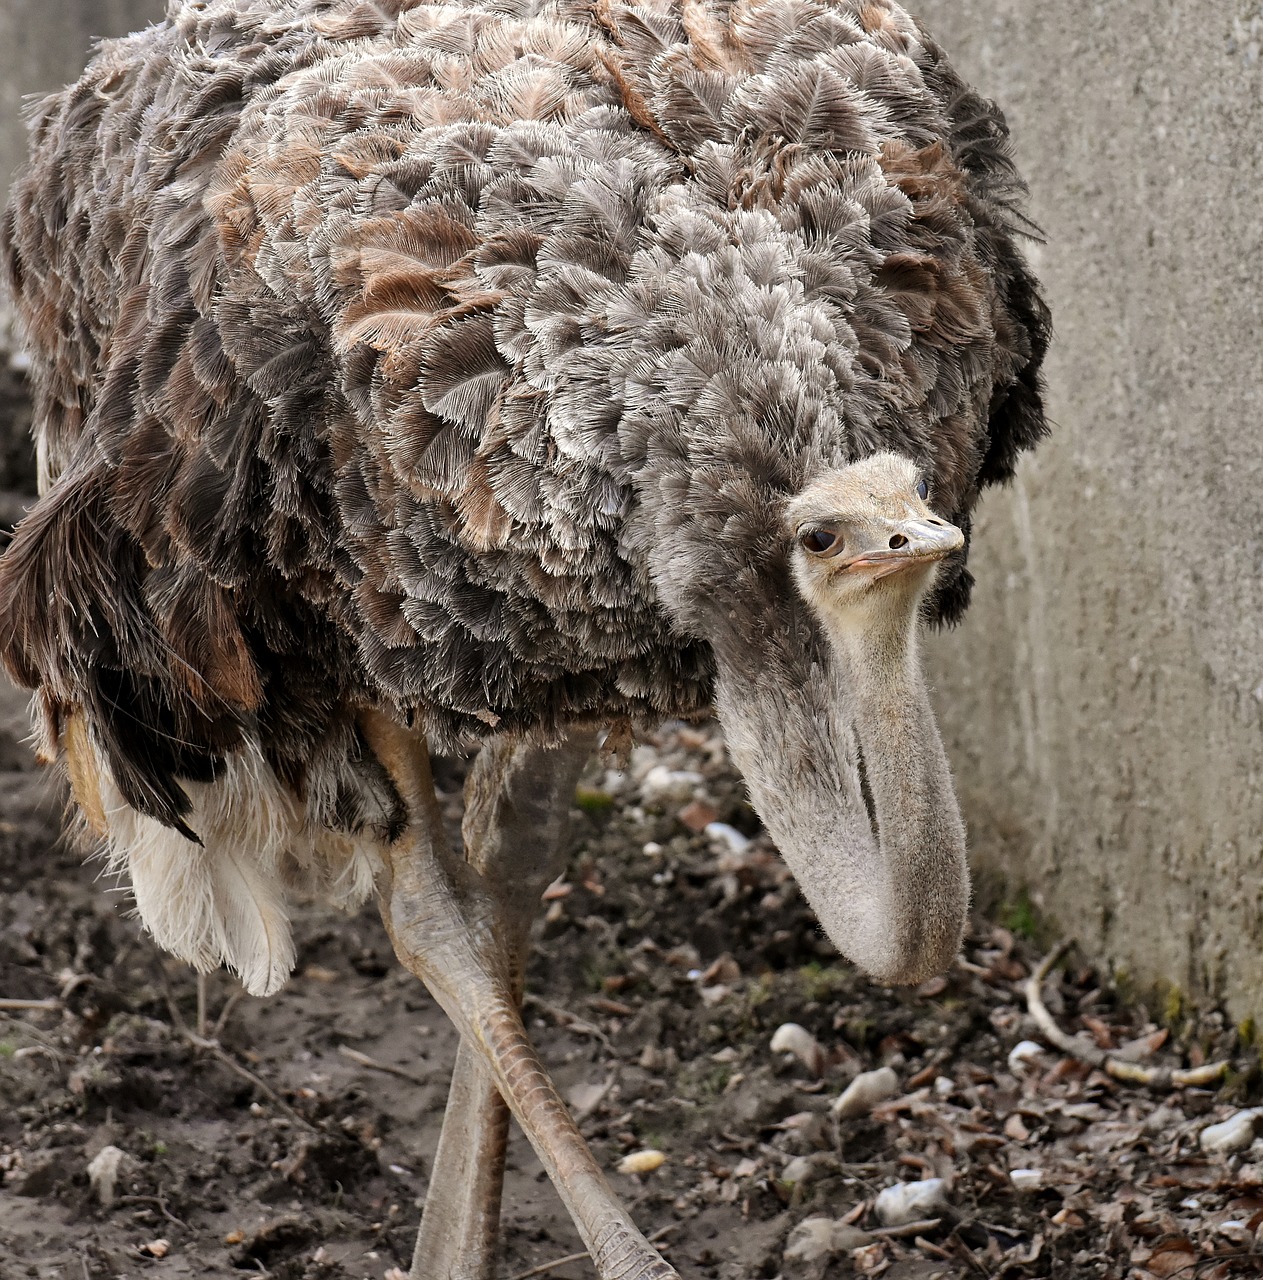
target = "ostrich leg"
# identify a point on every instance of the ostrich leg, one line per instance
(444, 921)
(517, 800)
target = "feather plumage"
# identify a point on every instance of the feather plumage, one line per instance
(432, 359)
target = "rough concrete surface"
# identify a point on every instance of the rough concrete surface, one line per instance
(1104, 698)
(43, 45)
(1103, 701)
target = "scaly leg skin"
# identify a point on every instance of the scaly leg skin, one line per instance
(460, 1225)
(445, 924)
(516, 813)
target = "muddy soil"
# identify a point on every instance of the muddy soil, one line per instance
(668, 958)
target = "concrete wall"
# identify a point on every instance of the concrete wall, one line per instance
(1103, 702)
(43, 45)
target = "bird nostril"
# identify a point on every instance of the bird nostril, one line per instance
(898, 541)
(939, 523)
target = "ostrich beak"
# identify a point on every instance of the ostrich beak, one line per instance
(890, 546)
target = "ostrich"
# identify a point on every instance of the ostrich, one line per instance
(418, 375)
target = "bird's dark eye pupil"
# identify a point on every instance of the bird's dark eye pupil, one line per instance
(819, 541)
(923, 490)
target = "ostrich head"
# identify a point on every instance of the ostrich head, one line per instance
(866, 545)
(828, 717)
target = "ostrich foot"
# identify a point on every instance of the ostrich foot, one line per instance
(451, 924)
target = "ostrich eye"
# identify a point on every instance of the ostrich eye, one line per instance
(820, 541)
(923, 489)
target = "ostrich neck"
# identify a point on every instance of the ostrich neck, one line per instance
(893, 899)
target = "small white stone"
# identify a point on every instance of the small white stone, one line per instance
(729, 837)
(1234, 1134)
(1024, 1053)
(789, 1037)
(865, 1092)
(103, 1172)
(663, 786)
(642, 1161)
(911, 1201)
(1026, 1179)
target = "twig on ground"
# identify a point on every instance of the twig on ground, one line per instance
(1130, 1072)
(28, 1028)
(223, 1057)
(363, 1060)
(226, 1012)
(908, 1229)
(160, 1202)
(571, 1021)
(545, 1267)
(18, 1006)
(201, 1006)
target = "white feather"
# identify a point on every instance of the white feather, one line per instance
(225, 901)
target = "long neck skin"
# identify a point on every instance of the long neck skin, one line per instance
(892, 891)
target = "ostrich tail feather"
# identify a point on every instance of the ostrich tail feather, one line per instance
(249, 920)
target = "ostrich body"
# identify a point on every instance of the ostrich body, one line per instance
(418, 375)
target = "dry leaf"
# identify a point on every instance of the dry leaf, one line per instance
(1172, 1257)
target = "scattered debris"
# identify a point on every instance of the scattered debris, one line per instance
(1234, 1134)
(103, 1173)
(729, 837)
(663, 993)
(372, 1064)
(817, 1238)
(1026, 1053)
(1118, 1065)
(645, 1161)
(911, 1202)
(865, 1092)
(662, 787)
(789, 1037)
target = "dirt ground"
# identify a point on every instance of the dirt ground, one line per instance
(670, 957)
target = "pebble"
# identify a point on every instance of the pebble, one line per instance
(1024, 1053)
(729, 837)
(642, 1161)
(1026, 1179)
(817, 1238)
(911, 1201)
(865, 1092)
(789, 1037)
(663, 786)
(1234, 1134)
